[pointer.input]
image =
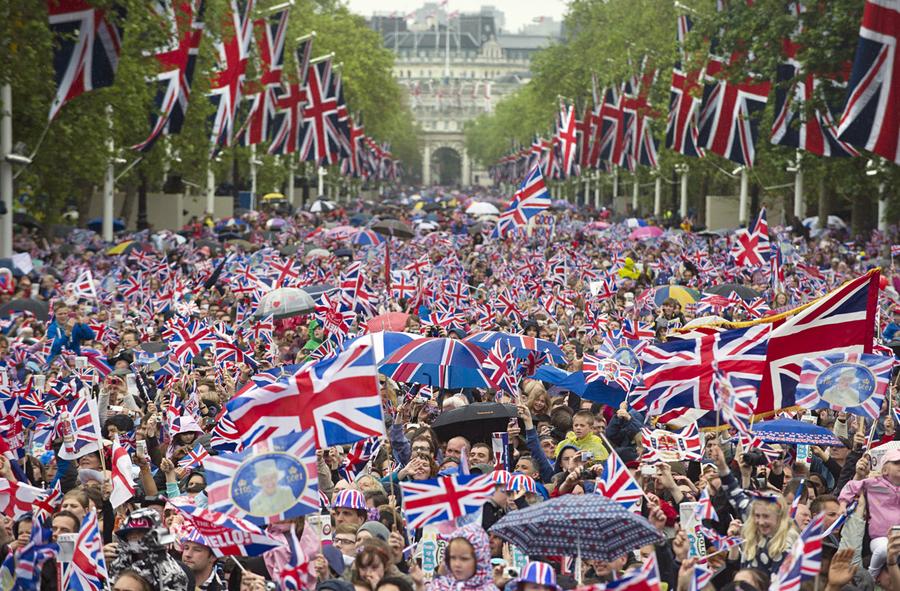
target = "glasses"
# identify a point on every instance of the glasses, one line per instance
(344, 541)
(421, 449)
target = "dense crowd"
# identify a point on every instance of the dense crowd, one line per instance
(88, 320)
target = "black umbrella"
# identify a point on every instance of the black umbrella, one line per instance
(474, 421)
(27, 221)
(38, 308)
(394, 228)
(316, 290)
(723, 289)
(289, 249)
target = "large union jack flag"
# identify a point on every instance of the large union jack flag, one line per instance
(568, 140)
(840, 322)
(752, 247)
(531, 199)
(270, 35)
(318, 137)
(680, 373)
(86, 48)
(640, 145)
(225, 88)
(187, 340)
(445, 498)
(338, 397)
(682, 134)
(288, 122)
(871, 118)
(176, 60)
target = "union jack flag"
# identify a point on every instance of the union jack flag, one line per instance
(752, 248)
(228, 352)
(700, 577)
(225, 88)
(804, 559)
(360, 455)
(617, 484)
(270, 35)
(639, 578)
(177, 60)
(318, 135)
(705, 508)
(87, 571)
(679, 373)
(568, 140)
(187, 340)
(224, 535)
(82, 424)
(861, 378)
(288, 120)
(194, 457)
(299, 573)
(735, 403)
(531, 198)
(338, 397)
(500, 366)
(666, 446)
(640, 145)
(23, 569)
(229, 491)
(610, 144)
(444, 499)
(607, 370)
(86, 48)
(871, 118)
(682, 134)
(841, 322)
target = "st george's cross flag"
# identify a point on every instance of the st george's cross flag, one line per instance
(847, 382)
(272, 480)
(337, 398)
(17, 499)
(225, 536)
(122, 478)
(445, 498)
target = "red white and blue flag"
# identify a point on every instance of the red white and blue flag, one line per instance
(86, 48)
(639, 578)
(87, 571)
(804, 559)
(360, 455)
(607, 370)
(871, 118)
(270, 481)
(319, 140)
(500, 367)
(444, 499)
(617, 484)
(339, 398)
(845, 382)
(224, 535)
(752, 247)
(225, 89)
(80, 430)
(682, 134)
(531, 199)
(270, 36)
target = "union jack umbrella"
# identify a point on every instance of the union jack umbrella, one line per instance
(438, 362)
(88, 41)
(522, 346)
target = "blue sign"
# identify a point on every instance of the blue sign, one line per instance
(625, 356)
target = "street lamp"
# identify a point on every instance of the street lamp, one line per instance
(877, 168)
(682, 170)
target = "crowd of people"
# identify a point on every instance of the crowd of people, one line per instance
(85, 320)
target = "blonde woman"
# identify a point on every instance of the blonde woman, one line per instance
(538, 401)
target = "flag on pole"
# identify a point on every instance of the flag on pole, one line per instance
(850, 382)
(87, 571)
(122, 470)
(445, 498)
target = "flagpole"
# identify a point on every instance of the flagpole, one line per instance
(6, 174)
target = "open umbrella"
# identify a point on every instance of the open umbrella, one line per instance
(273, 197)
(395, 321)
(684, 295)
(96, 224)
(521, 345)
(127, 247)
(322, 205)
(340, 232)
(393, 228)
(438, 362)
(747, 294)
(367, 238)
(596, 391)
(384, 343)
(646, 232)
(793, 432)
(37, 308)
(474, 421)
(285, 302)
(591, 526)
(316, 290)
(482, 208)
(26, 221)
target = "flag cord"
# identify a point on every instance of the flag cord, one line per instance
(35, 151)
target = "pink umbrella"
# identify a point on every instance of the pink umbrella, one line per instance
(394, 321)
(340, 232)
(645, 232)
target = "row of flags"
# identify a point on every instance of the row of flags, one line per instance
(710, 112)
(302, 112)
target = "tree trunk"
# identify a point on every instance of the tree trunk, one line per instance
(142, 203)
(235, 177)
(862, 214)
(826, 199)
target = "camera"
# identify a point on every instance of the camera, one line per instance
(755, 458)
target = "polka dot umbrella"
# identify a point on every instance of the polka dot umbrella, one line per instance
(591, 526)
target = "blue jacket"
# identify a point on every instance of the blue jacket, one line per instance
(891, 332)
(545, 468)
(621, 432)
(61, 340)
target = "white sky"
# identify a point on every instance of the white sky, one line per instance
(517, 12)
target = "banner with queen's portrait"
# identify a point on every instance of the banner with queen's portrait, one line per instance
(846, 382)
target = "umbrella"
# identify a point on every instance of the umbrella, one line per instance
(340, 232)
(96, 224)
(684, 295)
(393, 228)
(285, 302)
(384, 343)
(240, 242)
(37, 308)
(289, 249)
(316, 253)
(276, 223)
(596, 391)
(482, 208)
(26, 221)
(794, 432)
(316, 290)
(321, 205)
(231, 225)
(474, 421)
(390, 321)
(438, 362)
(273, 197)
(570, 525)
(367, 238)
(125, 247)
(521, 345)
(645, 232)
(833, 222)
(747, 294)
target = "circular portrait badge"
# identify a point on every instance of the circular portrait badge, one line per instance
(626, 356)
(843, 385)
(268, 484)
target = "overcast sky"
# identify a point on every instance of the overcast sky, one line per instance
(517, 12)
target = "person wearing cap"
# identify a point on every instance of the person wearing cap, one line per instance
(882, 494)
(199, 557)
(536, 576)
(349, 506)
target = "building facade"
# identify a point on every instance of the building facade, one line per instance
(456, 67)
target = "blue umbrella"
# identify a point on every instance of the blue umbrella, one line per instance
(591, 526)
(438, 362)
(367, 238)
(520, 345)
(793, 432)
(96, 224)
(385, 342)
(597, 391)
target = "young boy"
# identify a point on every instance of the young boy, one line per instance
(582, 436)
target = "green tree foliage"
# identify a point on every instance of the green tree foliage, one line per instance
(609, 38)
(73, 151)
